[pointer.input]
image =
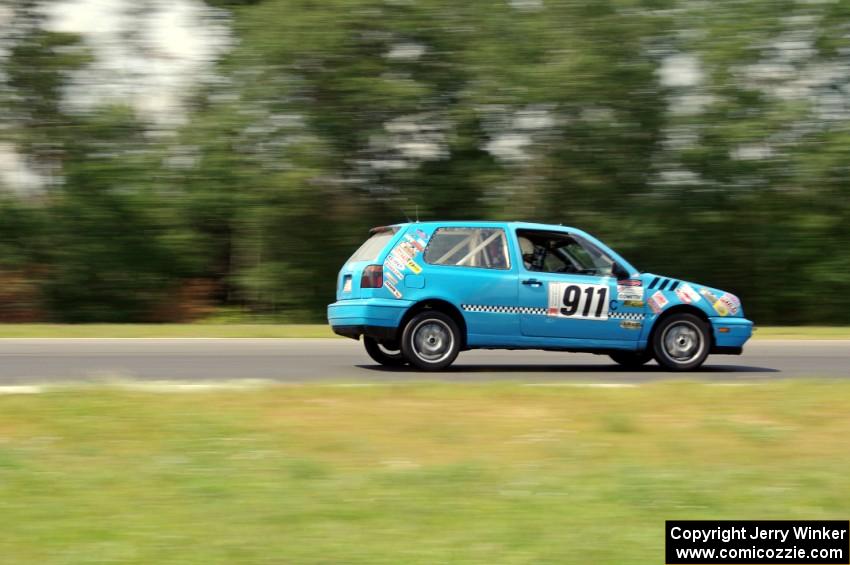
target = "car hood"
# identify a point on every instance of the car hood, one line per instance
(662, 293)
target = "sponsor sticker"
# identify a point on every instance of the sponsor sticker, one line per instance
(630, 282)
(418, 246)
(629, 292)
(657, 302)
(634, 303)
(410, 248)
(396, 262)
(346, 286)
(401, 258)
(708, 295)
(391, 266)
(422, 235)
(718, 304)
(687, 294)
(631, 325)
(392, 288)
(402, 253)
(731, 302)
(414, 266)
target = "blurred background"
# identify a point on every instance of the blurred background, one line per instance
(176, 160)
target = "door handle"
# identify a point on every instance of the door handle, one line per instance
(532, 282)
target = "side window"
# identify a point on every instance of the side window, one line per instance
(559, 252)
(469, 247)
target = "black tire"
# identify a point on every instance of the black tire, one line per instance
(430, 340)
(387, 356)
(631, 358)
(681, 342)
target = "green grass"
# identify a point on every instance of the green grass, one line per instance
(301, 330)
(424, 473)
(802, 332)
(165, 330)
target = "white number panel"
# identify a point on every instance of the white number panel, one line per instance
(578, 301)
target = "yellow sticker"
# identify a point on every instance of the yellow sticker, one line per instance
(721, 308)
(414, 267)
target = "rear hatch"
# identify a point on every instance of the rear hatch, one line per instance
(370, 253)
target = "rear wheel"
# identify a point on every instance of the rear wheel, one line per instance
(431, 340)
(386, 355)
(631, 358)
(681, 342)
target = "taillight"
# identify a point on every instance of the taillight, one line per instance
(373, 277)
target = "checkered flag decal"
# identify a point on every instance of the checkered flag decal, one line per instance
(541, 311)
(503, 309)
(626, 315)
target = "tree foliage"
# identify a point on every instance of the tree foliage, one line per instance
(704, 140)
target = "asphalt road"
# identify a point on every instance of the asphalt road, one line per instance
(31, 361)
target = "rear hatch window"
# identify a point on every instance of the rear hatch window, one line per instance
(368, 253)
(372, 247)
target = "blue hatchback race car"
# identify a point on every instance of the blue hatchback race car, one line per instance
(420, 293)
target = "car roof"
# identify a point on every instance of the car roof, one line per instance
(522, 225)
(490, 223)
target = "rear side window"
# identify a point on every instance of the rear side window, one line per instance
(372, 247)
(469, 247)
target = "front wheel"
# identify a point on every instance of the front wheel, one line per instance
(430, 341)
(631, 358)
(681, 342)
(387, 356)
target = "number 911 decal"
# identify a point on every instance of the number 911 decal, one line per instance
(578, 301)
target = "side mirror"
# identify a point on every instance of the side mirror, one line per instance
(619, 272)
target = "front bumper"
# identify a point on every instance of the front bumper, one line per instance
(375, 317)
(730, 334)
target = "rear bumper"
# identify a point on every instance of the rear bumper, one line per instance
(730, 334)
(381, 333)
(375, 317)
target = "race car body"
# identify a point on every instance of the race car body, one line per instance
(419, 293)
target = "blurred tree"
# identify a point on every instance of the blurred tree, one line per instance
(33, 75)
(99, 237)
(351, 116)
(738, 193)
(706, 140)
(121, 246)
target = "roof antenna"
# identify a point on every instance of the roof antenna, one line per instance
(405, 214)
(417, 213)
